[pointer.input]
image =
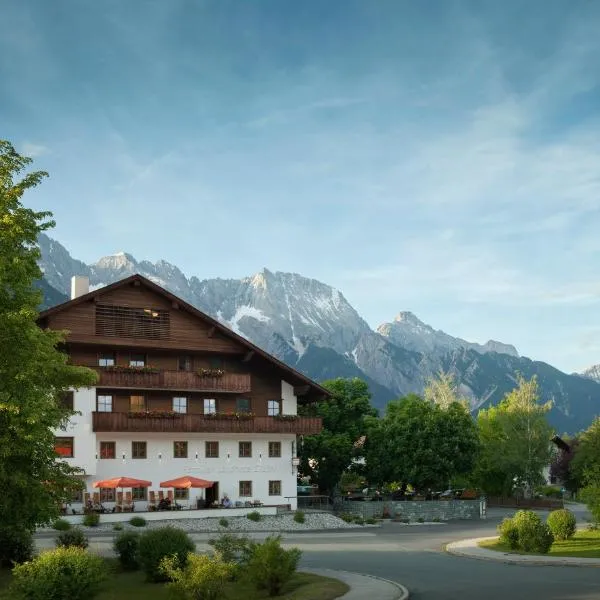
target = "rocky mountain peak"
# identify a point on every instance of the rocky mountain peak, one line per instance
(592, 372)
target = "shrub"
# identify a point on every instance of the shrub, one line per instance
(125, 546)
(16, 545)
(371, 521)
(436, 520)
(61, 525)
(562, 523)
(155, 544)
(254, 515)
(420, 520)
(231, 548)
(202, 578)
(347, 517)
(359, 520)
(526, 532)
(91, 519)
(223, 522)
(117, 527)
(270, 567)
(137, 521)
(69, 573)
(72, 538)
(299, 516)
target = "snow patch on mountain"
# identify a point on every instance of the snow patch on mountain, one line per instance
(592, 372)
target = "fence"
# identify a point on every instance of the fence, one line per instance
(549, 503)
(316, 503)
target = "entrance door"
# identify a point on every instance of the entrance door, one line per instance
(212, 494)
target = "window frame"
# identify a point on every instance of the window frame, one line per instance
(136, 362)
(209, 444)
(275, 445)
(243, 410)
(140, 497)
(181, 494)
(241, 491)
(212, 408)
(275, 481)
(175, 446)
(107, 444)
(67, 400)
(176, 404)
(107, 359)
(245, 453)
(133, 447)
(108, 495)
(271, 405)
(64, 439)
(143, 405)
(185, 363)
(101, 405)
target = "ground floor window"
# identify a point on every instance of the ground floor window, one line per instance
(77, 496)
(274, 449)
(245, 488)
(182, 493)
(107, 495)
(108, 450)
(274, 488)
(180, 449)
(138, 449)
(139, 493)
(212, 449)
(63, 446)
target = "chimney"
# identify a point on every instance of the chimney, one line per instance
(80, 285)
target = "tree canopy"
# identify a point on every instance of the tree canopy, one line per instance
(33, 372)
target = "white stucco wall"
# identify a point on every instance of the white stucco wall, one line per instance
(290, 402)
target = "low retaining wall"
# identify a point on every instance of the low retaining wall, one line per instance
(174, 515)
(442, 510)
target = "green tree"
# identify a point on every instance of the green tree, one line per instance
(324, 457)
(585, 467)
(444, 391)
(33, 372)
(515, 438)
(421, 443)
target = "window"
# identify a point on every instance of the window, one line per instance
(138, 449)
(245, 488)
(131, 322)
(105, 403)
(215, 362)
(106, 359)
(180, 405)
(139, 493)
(245, 449)
(273, 408)
(108, 450)
(274, 488)
(66, 400)
(180, 449)
(137, 404)
(182, 493)
(242, 405)
(274, 449)
(137, 360)
(210, 406)
(211, 449)
(107, 494)
(63, 446)
(77, 496)
(185, 363)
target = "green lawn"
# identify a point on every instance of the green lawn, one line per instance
(132, 586)
(585, 544)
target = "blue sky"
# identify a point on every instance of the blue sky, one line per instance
(440, 156)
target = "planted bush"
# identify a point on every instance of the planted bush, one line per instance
(61, 525)
(223, 522)
(202, 578)
(69, 573)
(562, 523)
(270, 566)
(72, 538)
(117, 527)
(371, 521)
(232, 548)
(155, 544)
(91, 519)
(137, 521)
(125, 546)
(254, 516)
(16, 545)
(526, 532)
(299, 516)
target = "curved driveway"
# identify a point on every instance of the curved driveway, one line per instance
(414, 557)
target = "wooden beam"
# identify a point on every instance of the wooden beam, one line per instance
(211, 331)
(248, 356)
(175, 305)
(301, 390)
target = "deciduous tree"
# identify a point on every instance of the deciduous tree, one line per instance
(33, 372)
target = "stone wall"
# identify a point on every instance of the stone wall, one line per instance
(442, 510)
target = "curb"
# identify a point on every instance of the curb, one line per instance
(403, 591)
(456, 549)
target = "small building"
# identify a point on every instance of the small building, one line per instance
(178, 394)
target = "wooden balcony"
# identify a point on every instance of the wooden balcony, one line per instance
(238, 383)
(182, 423)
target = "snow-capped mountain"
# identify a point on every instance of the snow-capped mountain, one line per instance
(312, 327)
(593, 373)
(411, 333)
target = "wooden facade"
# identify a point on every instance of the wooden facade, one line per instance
(145, 342)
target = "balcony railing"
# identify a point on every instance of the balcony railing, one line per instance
(181, 423)
(175, 380)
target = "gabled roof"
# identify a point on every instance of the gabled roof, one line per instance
(289, 371)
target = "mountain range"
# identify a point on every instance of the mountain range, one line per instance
(312, 327)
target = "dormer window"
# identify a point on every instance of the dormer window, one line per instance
(133, 322)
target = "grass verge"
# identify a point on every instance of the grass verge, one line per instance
(132, 586)
(584, 544)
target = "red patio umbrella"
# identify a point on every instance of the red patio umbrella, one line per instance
(187, 482)
(122, 482)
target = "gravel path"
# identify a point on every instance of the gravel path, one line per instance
(313, 522)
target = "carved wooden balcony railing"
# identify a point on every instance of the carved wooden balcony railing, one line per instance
(239, 383)
(181, 423)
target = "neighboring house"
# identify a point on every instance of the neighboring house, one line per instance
(178, 394)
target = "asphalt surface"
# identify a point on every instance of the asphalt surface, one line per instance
(414, 556)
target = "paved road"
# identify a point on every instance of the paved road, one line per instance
(413, 556)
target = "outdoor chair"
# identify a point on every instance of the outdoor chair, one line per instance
(119, 505)
(152, 500)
